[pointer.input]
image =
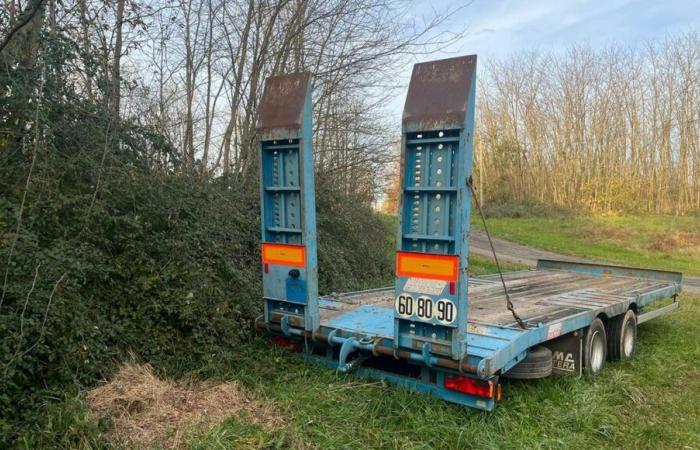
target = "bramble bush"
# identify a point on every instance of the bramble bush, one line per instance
(113, 255)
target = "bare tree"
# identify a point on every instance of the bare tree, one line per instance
(223, 51)
(115, 82)
(614, 129)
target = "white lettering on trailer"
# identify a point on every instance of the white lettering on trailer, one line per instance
(554, 331)
(563, 361)
(425, 308)
(425, 286)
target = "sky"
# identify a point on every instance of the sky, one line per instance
(498, 28)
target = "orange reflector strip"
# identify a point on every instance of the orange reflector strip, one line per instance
(284, 254)
(424, 265)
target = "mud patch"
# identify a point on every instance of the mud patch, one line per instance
(144, 410)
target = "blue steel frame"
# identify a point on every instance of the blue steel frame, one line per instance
(435, 205)
(498, 348)
(423, 384)
(288, 212)
(491, 349)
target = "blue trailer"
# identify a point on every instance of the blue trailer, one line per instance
(437, 330)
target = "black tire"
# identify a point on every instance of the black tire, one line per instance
(537, 364)
(622, 336)
(595, 348)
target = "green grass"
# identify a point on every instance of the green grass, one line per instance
(659, 242)
(483, 266)
(652, 401)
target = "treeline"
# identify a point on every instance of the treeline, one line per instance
(615, 129)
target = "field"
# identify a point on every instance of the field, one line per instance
(659, 242)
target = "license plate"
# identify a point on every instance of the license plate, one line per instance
(425, 308)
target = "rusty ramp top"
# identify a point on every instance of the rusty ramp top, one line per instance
(438, 94)
(282, 105)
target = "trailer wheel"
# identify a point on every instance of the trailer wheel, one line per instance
(537, 364)
(595, 348)
(622, 336)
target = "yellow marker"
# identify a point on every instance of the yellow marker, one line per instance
(284, 254)
(424, 265)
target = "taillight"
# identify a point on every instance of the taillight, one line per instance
(472, 386)
(285, 343)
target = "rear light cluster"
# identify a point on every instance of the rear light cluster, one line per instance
(285, 343)
(480, 388)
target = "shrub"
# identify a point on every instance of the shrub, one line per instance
(104, 251)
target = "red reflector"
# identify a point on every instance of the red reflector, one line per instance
(471, 386)
(285, 343)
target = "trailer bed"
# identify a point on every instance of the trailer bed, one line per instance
(540, 297)
(554, 299)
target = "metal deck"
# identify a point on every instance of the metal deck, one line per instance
(540, 297)
(554, 299)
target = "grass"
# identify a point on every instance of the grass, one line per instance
(650, 401)
(658, 242)
(483, 266)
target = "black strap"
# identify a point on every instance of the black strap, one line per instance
(509, 303)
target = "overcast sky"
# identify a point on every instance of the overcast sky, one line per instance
(497, 28)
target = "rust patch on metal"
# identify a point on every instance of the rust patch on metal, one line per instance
(438, 93)
(282, 104)
(477, 329)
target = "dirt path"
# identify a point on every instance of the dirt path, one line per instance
(521, 254)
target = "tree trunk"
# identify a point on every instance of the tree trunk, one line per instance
(115, 94)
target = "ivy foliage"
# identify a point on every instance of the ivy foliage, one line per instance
(102, 253)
